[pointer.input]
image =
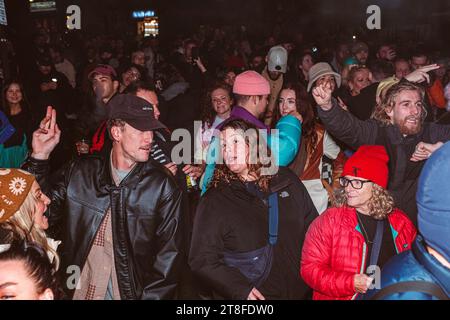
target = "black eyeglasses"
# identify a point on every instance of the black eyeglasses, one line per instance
(356, 184)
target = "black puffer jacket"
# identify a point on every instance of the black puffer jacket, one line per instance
(230, 218)
(147, 220)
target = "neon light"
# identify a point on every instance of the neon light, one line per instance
(143, 14)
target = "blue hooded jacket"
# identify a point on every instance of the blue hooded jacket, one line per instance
(433, 205)
(414, 265)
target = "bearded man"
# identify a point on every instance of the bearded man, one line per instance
(397, 124)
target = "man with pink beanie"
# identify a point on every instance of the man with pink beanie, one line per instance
(251, 92)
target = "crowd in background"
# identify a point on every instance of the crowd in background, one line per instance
(230, 81)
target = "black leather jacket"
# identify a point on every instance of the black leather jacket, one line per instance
(149, 232)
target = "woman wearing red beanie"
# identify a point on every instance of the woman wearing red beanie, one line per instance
(363, 229)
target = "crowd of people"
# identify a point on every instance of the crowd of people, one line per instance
(308, 173)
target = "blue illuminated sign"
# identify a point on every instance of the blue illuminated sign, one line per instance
(143, 14)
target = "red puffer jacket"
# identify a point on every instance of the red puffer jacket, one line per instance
(335, 250)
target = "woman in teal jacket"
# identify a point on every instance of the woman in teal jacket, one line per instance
(14, 150)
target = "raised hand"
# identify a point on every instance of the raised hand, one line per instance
(46, 137)
(200, 64)
(420, 75)
(322, 95)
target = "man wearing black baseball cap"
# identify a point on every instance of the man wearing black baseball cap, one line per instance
(121, 216)
(135, 111)
(131, 124)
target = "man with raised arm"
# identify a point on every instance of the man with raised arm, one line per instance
(119, 215)
(398, 125)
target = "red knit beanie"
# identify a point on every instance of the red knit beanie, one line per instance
(369, 162)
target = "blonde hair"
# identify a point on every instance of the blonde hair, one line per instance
(380, 204)
(22, 226)
(388, 101)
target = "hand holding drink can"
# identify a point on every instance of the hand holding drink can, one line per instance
(82, 146)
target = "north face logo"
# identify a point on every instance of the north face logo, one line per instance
(284, 194)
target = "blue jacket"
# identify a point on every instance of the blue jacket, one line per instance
(284, 146)
(414, 265)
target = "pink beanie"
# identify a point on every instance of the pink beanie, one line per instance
(251, 83)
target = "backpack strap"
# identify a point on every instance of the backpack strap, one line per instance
(411, 286)
(375, 253)
(273, 218)
(377, 242)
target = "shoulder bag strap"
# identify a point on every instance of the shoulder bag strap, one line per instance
(378, 240)
(273, 218)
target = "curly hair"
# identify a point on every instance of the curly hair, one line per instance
(388, 102)
(258, 150)
(380, 204)
(208, 112)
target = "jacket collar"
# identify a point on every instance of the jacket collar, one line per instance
(242, 113)
(240, 190)
(130, 181)
(398, 138)
(439, 272)
(349, 219)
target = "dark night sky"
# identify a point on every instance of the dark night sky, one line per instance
(182, 15)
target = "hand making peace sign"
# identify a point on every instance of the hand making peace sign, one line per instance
(46, 137)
